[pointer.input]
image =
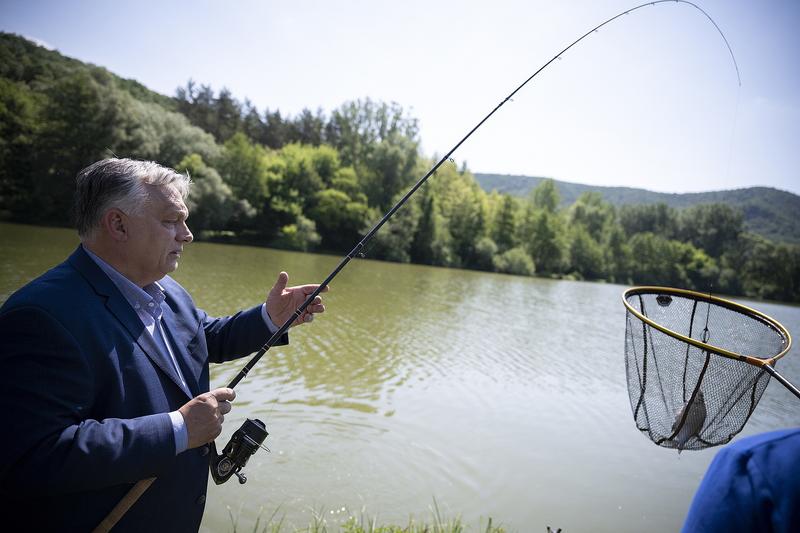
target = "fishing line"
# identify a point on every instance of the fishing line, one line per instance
(247, 439)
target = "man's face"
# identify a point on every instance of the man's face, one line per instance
(156, 235)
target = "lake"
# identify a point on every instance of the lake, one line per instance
(494, 395)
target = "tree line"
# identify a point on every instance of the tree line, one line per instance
(319, 181)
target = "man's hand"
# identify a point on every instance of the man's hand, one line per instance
(204, 415)
(282, 302)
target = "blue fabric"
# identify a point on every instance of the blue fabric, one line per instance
(147, 301)
(752, 485)
(87, 395)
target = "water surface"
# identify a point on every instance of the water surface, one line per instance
(496, 395)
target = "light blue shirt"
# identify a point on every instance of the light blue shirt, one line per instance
(147, 302)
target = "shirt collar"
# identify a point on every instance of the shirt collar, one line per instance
(148, 298)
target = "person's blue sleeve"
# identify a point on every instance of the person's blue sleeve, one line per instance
(733, 496)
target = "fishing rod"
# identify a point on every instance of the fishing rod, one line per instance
(249, 438)
(356, 250)
(245, 443)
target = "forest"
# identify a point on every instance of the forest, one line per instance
(318, 181)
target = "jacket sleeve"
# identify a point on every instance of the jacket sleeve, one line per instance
(733, 496)
(48, 439)
(236, 335)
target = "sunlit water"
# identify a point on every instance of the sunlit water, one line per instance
(496, 396)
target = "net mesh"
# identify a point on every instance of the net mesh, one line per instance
(687, 397)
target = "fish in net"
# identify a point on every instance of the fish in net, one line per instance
(697, 364)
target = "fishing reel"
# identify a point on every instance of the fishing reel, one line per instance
(244, 443)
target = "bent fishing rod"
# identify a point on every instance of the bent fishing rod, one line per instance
(249, 438)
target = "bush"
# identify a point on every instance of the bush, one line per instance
(515, 261)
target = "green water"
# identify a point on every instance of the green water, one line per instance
(496, 395)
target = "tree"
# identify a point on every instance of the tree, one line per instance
(713, 227)
(462, 207)
(211, 202)
(19, 127)
(658, 218)
(380, 142)
(163, 136)
(545, 196)
(618, 256)
(503, 228)
(243, 166)
(394, 240)
(302, 235)
(83, 120)
(661, 261)
(421, 250)
(546, 241)
(515, 261)
(339, 219)
(228, 119)
(586, 254)
(593, 213)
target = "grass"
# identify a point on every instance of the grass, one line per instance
(363, 524)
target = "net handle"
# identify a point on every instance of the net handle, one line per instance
(755, 361)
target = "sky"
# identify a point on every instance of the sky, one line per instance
(651, 100)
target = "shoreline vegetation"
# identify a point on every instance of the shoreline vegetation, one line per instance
(319, 181)
(321, 523)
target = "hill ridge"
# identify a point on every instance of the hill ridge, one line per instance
(767, 211)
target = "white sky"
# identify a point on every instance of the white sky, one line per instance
(649, 101)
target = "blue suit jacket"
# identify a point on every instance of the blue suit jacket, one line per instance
(86, 393)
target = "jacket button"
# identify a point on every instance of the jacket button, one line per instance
(204, 450)
(201, 499)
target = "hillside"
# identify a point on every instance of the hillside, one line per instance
(24, 61)
(767, 211)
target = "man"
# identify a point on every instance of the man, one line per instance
(105, 365)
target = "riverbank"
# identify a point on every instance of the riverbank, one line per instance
(323, 522)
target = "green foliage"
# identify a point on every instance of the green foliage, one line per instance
(712, 227)
(211, 202)
(767, 212)
(312, 181)
(658, 218)
(586, 254)
(661, 261)
(19, 126)
(504, 224)
(394, 240)
(243, 166)
(459, 218)
(593, 214)
(302, 235)
(515, 261)
(545, 239)
(546, 196)
(163, 136)
(339, 218)
(485, 252)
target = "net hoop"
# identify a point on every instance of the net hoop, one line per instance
(769, 321)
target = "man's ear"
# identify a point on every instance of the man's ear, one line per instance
(115, 224)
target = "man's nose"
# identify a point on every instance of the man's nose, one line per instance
(186, 235)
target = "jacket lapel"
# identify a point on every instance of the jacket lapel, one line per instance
(180, 349)
(122, 310)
